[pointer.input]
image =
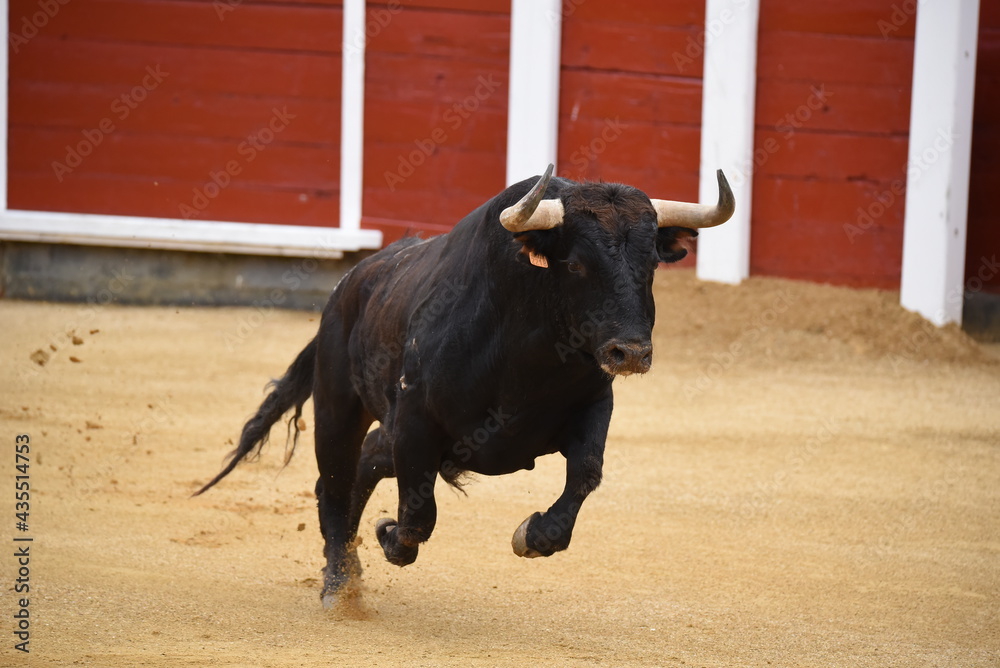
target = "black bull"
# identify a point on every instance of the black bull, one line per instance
(478, 351)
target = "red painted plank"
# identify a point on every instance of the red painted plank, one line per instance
(828, 156)
(277, 164)
(884, 19)
(483, 6)
(842, 107)
(648, 48)
(279, 27)
(988, 73)
(112, 195)
(656, 183)
(182, 68)
(989, 15)
(646, 177)
(236, 5)
(630, 97)
(640, 12)
(409, 126)
(830, 232)
(444, 209)
(394, 79)
(469, 37)
(184, 114)
(983, 240)
(448, 170)
(586, 145)
(436, 115)
(835, 59)
(394, 230)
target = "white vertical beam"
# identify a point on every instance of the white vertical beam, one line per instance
(944, 69)
(727, 130)
(352, 117)
(533, 104)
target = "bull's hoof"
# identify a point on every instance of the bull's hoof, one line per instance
(395, 552)
(382, 528)
(520, 540)
(346, 601)
(342, 582)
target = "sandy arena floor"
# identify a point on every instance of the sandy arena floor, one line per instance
(808, 477)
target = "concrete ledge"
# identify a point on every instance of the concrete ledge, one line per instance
(57, 272)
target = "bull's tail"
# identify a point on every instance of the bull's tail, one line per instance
(291, 390)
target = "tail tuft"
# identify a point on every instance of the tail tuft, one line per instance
(291, 390)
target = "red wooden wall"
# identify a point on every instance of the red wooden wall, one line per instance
(225, 73)
(832, 125)
(435, 112)
(831, 138)
(984, 222)
(630, 94)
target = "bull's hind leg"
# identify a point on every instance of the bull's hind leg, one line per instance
(341, 423)
(374, 465)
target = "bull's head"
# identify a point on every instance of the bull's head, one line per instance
(602, 242)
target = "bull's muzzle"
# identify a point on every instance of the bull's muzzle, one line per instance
(623, 358)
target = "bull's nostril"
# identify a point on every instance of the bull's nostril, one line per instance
(626, 357)
(617, 355)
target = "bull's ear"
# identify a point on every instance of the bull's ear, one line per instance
(537, 246)
(672, 243)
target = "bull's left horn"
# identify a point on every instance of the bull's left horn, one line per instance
(696, 216)
(533, 212)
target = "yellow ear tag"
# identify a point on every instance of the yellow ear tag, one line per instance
(538, 260)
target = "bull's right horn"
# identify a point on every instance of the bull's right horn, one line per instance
(533, 212)
(696, 216)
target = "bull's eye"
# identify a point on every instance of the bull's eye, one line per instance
(575, 268)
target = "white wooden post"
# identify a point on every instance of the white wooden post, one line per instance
(352, 123)
(937, 189)
(533, 103)
(727, 132)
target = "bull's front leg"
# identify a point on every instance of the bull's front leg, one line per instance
(544, 534)
(416, 451)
